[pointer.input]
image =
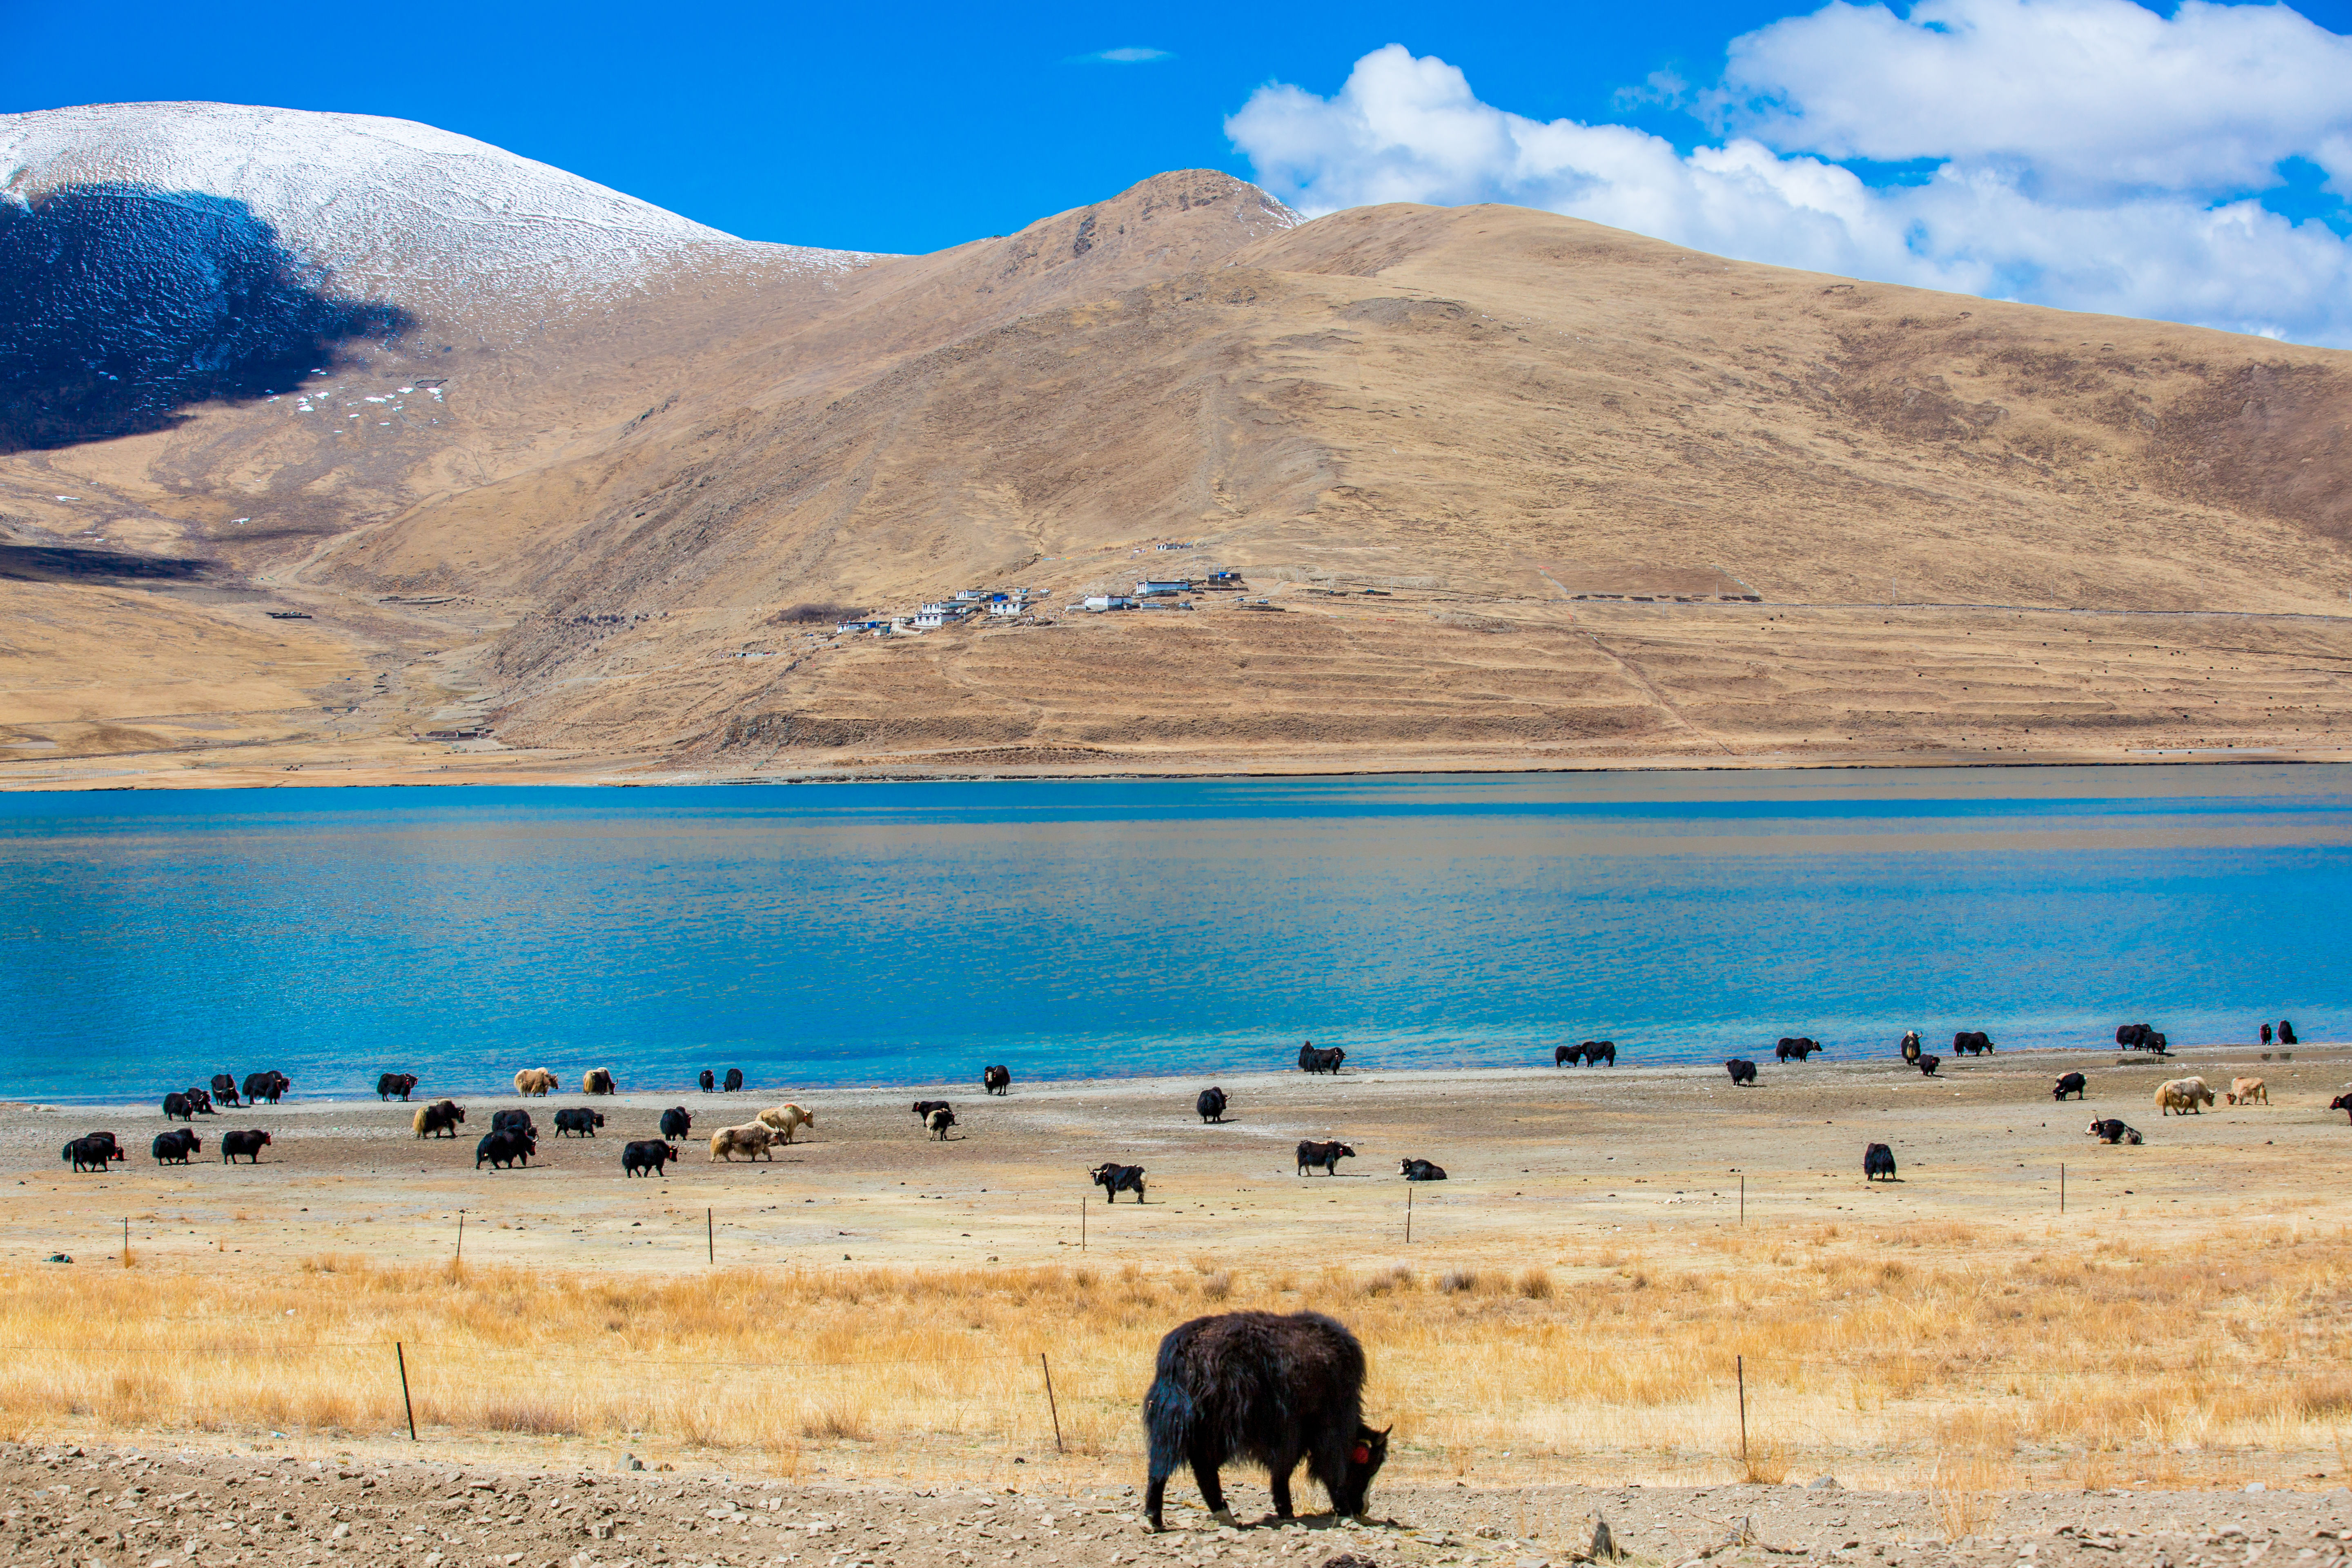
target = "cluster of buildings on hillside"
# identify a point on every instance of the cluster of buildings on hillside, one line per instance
(1010, 603)
(967, 603)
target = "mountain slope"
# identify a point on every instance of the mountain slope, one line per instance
(1515, 491)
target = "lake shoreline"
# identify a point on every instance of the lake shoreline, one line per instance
(491, 775)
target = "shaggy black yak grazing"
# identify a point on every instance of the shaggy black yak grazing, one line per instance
(1266, 1389)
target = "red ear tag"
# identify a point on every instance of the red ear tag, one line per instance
(1363, 1454)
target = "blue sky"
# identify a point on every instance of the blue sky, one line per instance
(1730, 126)
(886, 128)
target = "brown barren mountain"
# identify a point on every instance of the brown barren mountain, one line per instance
(1506, 489)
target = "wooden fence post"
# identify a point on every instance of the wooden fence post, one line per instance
(1739, 1366)
(405, 1403)
(1050, 1404)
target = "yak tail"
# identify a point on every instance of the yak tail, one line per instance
(1168, 1414)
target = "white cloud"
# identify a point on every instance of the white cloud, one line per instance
(1127, 55)
(2089, 96)
(2097, 203)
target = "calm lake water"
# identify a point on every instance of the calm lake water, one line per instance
(890, 934)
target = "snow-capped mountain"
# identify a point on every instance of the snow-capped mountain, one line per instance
(391, 210)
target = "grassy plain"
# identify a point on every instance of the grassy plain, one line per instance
(1582, 1302)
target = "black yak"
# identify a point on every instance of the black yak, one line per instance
(709, 1080)
(923, 1108)
(249, 1143)
(2073, 1083)
(1741, 1070)
(178, 1105)
(1567, 1055)
(503, 1150)
(734, 1080)
(86, 1155)
(1327, 1155)
(173, 1148)
(2266, 1034)
(266, 1086)
(996, 1079)
(438, 1120)
(644, 1155)
(1310, 1060)
(1420, 1171)
(1268, 1390)
(2111, 1130)
(513, 1122)
(2342, 1102)
(1117, 1179)
(1928, 1066)
(1211, 1105)
(675, 1123)
(1878, 1163)
(391, 1083)
(579, 1122)
(1972, 1042)
(1797, 1047)
(2286, 1033)
(225, 1088)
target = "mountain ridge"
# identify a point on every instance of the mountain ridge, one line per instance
(1510, 489)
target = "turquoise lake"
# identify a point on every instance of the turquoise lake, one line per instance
(874, 933)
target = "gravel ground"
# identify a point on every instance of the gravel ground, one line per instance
(120, 1508)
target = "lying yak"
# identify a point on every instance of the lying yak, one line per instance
(2112, 1131)
(1420, 1171)
(1117, 1179)
(1878, 1163)
(1264, 1389)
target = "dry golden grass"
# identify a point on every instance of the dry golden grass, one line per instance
(1941, 1355)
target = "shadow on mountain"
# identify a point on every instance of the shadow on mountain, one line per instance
(120, 306)
(66, 563)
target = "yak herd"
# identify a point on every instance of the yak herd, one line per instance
(512, 1139)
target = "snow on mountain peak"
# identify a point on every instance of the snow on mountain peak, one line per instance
(392, 210)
